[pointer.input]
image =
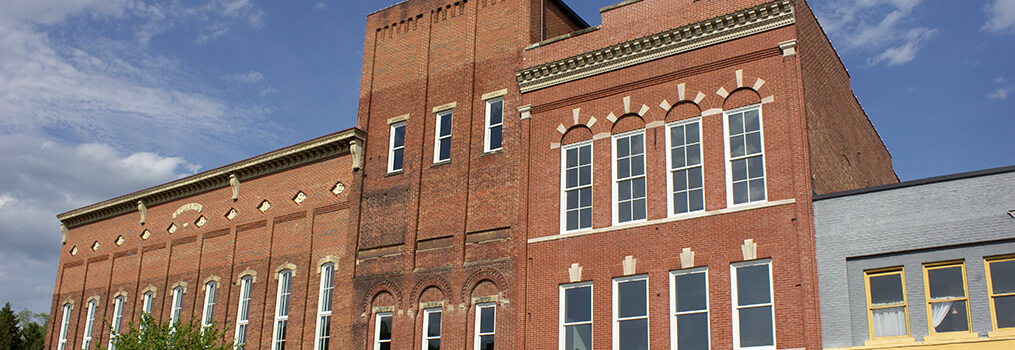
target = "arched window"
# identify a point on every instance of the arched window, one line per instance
(324, 307)
(89, 322)
(281, 310)
(117, 320)
(174, 316)
(63, 326)
(242, 314)
(209, 304)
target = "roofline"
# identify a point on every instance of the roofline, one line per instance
(919, 182)
(569, 11)
(274, 161)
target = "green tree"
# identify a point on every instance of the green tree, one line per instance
(33, 329)
(10, 333)
(149, 334)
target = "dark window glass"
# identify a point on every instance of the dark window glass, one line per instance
(633, 334)
(1002, 275)
(886, 289)
(756, 326)
(692, 331)
(578, 337)
(753, 285)
(578, 304)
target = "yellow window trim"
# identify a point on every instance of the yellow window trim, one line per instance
(990, 292)
(898, 270)
(965, 292)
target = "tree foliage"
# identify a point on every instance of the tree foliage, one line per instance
(10, 332)
(149, 334)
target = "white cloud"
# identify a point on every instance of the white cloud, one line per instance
(321, 6)
(1002, 17)
(5, 198)
(269, 91)
(1000, 80)
(250, 77)
(880, 28)
(1000, 93)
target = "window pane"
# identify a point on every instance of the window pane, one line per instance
(434, 326)
(692, 331)
(325, 327)
(740, 192)
(693, 154)
(949, 316)
(400, 136)
(433, 344)
(758, 190)
(697, 200)
(625, 211)
(572, 199)
(572, 158)
(886, 289)
(578, 302)
(633, 334)
(694, 179)
(677, 135)
(946, 283)
(572, 220)
(623, 147)
(753, 123)
(737, 146)
(586, 197)
(385, 346)
(586, 218)
(680, 180)
(753, 286)
(445, 149)
(585, 175)
(578, 337)
(486, 342)
(756, 326)
(1004, 308)
(632, 298)
(637, 144)
(638, 165)
(690, 292)
(496, 112)
(680, 202)
(385, 328)
(397, 164)
(585, 154)
(753, 143)
(739, 170)
(624, 190)
(638, 187)
(736, 123)
(756, 167)
(889, 322)
(677, 155)
(692, 133)
(623, 168)
(445, 125)
(639, 210)
(571, 176)
(486, 321)
(1002, 276)
(496, 137)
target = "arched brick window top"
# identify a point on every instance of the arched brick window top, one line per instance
(628, 122)
(576, 134)
(682, 111)
(742, 97)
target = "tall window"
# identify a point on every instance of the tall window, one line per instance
(753, 316)
(687, 192)
(442, 139)
(630, 313)
(948, 302)
(629, 175)
(117, 320)
(89, 322)
(746, 166)
(382, 331)
(243, 312)
(494, 125)
(146, 302)
(432, 329)
(576, 316)
(886, 303)
(397, 152)
(174, 316)
(281, 310)
(689, 308)
(486, 319)
(1001, 288)
(577, 180)
(324, 311)
(209, 304)
(64, 324)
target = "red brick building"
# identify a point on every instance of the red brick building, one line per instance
(517, 177)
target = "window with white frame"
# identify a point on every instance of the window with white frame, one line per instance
(243, 312)
(118, 304)
(396, 154)
(442, 137)
(577, 180)
(630, 313)
(629, 177)
(576, 316)
(494, 137)
(89, 323)
(64, 324)
(687, 192)
(281, 310)
(174, 316)
(382, 331)
(753, 314)
(486, 325)
(324, 307)
(745, 166)
(209, 304)
(146, 302)
(689, 309)
(432, 329)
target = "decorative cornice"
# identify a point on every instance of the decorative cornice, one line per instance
(276, 161)
(732, 26)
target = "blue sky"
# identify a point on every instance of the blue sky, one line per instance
(103, 97)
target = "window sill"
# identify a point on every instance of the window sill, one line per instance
(944, 337)
(492, 152)
(396, 172)
(889, 341)
(441, 163)
(1002, 333)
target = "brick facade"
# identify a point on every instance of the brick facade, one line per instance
(486, 226)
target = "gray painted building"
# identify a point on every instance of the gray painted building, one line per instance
(901, 230)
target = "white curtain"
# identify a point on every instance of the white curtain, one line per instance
(890, 322)
(939, 311)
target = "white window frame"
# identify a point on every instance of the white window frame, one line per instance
(479, 324)
(729, 161)
(736, 308)
(243, 312)
(392, 148)
(86, 341)
(377, 328)
(437, 138)
(564, 188)
(64, 324)
(278, 338)
(210, 289)
(489, 127)
(147, 299)
(325, 309)
(118, 304)
(177, 308)
(674, 340)
(670, 205)
(426, 325)
(616, 309)
(615, 202)
(563, 304)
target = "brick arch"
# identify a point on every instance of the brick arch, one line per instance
(685, 95)
(578, 120)
(629, 108)
(741, 97)
(432, 281)
(378, 288)
(479, 276)
(684, 110)
(628, 122)
(575, 134)
(741, 81)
